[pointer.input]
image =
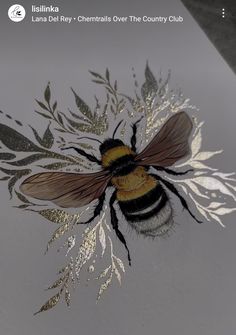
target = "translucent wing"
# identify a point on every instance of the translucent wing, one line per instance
(66, 189)
(170, 144)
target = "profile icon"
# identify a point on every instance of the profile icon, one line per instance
(16, 13)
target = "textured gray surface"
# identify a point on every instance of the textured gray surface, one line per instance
(220, 30)
(182, 285)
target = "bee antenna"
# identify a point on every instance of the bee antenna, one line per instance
(89, 138)
(117, 128)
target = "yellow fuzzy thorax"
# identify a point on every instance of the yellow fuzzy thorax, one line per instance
(133, 185)
(115, 153)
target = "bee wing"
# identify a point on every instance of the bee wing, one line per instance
(66, 189)
(170, 144)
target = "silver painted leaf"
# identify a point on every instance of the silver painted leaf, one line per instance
(102, 239)
(118, 276)
(223, 211)
(211, 184)
(214, 205)
(215, 217)
(196, 143)
(120, 263)
(204, 155)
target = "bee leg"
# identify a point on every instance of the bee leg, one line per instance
(91, 158)
(133, 138)
(97, 209)
(172, 188)
(115, 222)
(174, 173)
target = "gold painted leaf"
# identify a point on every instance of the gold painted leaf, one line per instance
(67, 297)
(57, 283)
(55, 215)
(50, 303)
(64, 269)
(59, 232)
(104, 272)
(86, 250)
(104, 287)
(70, 243)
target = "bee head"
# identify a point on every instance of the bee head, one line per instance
(109, 144)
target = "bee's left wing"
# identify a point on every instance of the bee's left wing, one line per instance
(170, 144)
(66, 189)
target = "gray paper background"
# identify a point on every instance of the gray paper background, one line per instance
(181, 285)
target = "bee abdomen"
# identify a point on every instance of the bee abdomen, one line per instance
(150, 214)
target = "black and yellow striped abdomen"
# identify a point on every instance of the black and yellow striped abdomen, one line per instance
(140, 196)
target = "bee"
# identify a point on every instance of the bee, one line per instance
(140, 194)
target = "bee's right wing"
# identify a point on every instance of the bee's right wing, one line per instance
(66, 189)
(170, 144)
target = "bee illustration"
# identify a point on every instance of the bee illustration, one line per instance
(141, 195)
